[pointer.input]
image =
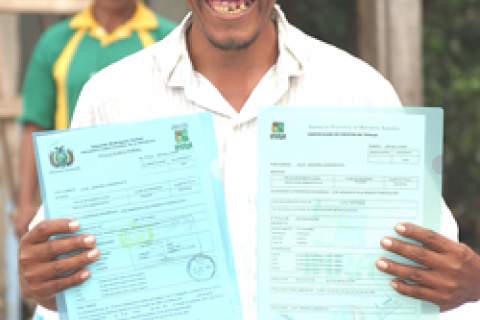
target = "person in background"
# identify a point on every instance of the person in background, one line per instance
(65, 58)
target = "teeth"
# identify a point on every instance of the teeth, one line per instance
(231, 6)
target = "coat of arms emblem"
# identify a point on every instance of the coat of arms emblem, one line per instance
(61, 157)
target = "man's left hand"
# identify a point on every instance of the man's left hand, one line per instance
(450, 272)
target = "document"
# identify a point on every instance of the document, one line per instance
(332, 184)
(152, 195)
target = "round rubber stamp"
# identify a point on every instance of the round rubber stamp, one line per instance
(201, 267)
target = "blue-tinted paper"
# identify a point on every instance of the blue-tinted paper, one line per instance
(151, 194)
(332, 184)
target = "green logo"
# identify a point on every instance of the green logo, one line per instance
(136, 235)
(278, 131)
(278, 127)
(61, 157)
(182, 141)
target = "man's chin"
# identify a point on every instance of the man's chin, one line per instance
(233, 44)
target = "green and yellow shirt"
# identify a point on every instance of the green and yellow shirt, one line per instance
(70, 52)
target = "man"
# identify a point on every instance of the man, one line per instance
(67, 55)
(230, 58)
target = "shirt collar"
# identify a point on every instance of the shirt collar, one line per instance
(291, 59)
(143, 19)
(177, 68)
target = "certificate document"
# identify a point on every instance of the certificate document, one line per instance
(332, 184)
(151, 194)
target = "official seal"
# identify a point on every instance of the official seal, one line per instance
(201, 267)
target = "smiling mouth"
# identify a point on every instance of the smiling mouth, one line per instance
(230, 6)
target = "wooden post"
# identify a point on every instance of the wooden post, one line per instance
(9, 50)
(390, 39)
(9, 77)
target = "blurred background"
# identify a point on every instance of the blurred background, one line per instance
(428, 49)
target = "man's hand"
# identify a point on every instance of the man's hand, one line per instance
(41, 274)
(450, 275)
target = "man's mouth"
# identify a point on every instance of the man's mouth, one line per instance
(230, 6)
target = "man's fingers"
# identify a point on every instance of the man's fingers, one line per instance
(45, 229)
(418, 254)
(419, 276)
(58, 268)
(427, 237)
(50, 288)
(41, 275)
(419, 292)
(54, 248)
(49, 250)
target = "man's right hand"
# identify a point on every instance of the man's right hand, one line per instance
(41, 274)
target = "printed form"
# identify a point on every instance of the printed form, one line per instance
(332, 184)
(151, 193)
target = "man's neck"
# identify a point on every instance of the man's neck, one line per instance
(235, 73)
(111, 19)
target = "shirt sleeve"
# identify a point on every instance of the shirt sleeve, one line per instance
(449, 227)
(468, 311)
(39, 91)
(44, 314)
